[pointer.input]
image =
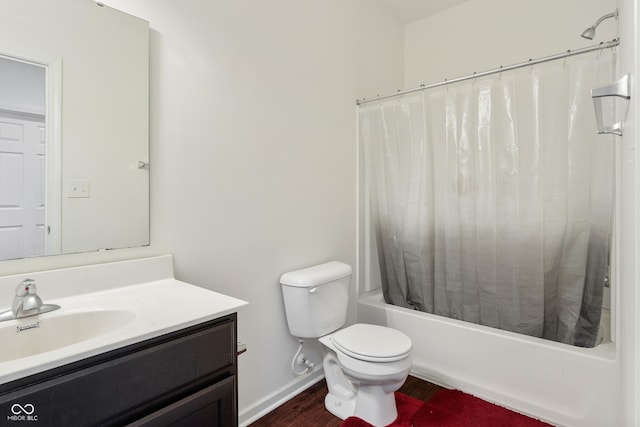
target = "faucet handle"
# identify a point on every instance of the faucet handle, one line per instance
(26, 287)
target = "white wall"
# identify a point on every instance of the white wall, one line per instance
(253, 148)
(482, 35)
(629, 218)
(253, 151)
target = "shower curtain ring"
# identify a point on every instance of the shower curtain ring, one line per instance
(473, 83)
(531, 67)
(500, 74)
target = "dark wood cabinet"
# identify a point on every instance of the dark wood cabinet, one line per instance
(187, 377)
(211, 406)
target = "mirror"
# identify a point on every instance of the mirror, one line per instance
(74, 128)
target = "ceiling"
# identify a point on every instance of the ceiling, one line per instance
(413, 10)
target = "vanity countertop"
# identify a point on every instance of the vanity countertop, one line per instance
(149, 309)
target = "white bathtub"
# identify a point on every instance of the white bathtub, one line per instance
(560, 384)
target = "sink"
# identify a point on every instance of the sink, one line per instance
(38, 334)
(104, 307)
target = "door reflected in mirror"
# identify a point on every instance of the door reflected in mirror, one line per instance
(23, 160)
(70, 174)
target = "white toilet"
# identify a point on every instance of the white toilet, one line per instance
(365, 364)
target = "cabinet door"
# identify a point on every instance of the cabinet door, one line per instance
(213, 406)
(133, 385)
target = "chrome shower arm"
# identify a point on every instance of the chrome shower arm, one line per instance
(607, 16)
(590, 32)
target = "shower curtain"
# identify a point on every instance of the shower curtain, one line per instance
(492, 199)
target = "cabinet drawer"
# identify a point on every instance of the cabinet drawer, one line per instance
(131, 385)
(213, 406)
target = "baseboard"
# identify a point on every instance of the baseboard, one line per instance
(278, 397)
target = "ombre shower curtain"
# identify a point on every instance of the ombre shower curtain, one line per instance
(492, 199)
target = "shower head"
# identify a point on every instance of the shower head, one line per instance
(590, 32)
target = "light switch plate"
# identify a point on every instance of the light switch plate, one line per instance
(78, 188)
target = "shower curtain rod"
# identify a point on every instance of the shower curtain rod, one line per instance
(530, 62)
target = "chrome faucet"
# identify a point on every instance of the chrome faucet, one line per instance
(26, 302)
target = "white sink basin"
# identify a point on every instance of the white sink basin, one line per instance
(52, 331)
(92, 323)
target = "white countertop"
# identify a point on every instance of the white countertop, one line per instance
(159, 306)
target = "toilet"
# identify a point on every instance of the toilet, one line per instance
(364, 364)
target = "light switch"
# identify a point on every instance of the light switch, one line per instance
(78, 188)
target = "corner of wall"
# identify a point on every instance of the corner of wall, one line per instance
(280, 396)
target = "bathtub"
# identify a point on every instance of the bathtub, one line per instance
(558, 383)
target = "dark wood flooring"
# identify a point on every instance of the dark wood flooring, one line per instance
(307, 409)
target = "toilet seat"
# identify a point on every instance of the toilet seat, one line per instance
(372, 343)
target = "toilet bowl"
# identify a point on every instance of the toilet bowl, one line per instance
(364, 365)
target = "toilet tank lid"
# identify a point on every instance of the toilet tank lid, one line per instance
(316, 275)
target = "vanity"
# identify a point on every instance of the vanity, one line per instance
(131, 345)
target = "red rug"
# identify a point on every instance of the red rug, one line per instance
(451, 408)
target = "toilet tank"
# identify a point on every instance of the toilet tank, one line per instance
(316, 299)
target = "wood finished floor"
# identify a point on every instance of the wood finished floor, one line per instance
(307, 409)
